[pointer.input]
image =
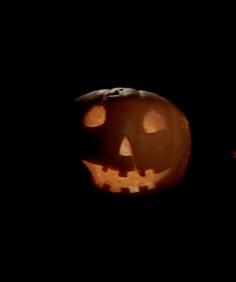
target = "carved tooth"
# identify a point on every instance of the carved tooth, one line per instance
(151, 186)
(134, 189)
(116, 189)
(122, 173)
(104, 168)
(106, 187)
(141, 172)
(143, 188)
(125, 190)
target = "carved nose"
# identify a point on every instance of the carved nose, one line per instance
(125, 148)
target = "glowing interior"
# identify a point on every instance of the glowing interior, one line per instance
(153, 122)
(95, 116)
(133, 181)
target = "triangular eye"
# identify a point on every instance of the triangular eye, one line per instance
(153, 122)
(95, 116)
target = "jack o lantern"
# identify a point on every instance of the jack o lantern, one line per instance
(132, 141)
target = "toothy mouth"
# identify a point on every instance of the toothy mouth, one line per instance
(133, 183)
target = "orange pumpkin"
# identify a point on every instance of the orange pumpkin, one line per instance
(132, 141)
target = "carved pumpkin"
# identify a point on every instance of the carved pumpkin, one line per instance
(132, 141)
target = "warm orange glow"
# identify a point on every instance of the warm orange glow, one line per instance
(153, 122)
(95, 116)
(125, 148)
(133, 180)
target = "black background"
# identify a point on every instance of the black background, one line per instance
(187, 62)
(55, 217)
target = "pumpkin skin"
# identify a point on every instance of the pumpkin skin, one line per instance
(132, 141)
